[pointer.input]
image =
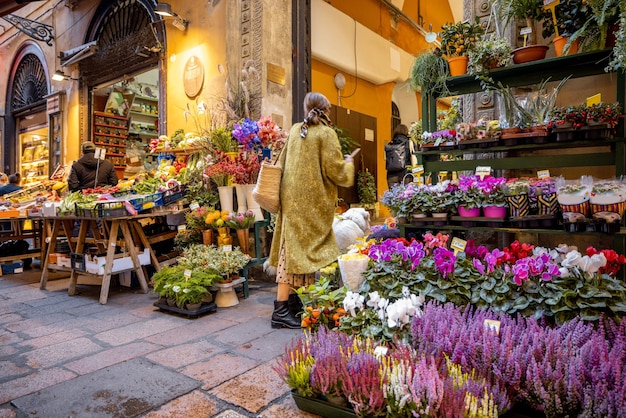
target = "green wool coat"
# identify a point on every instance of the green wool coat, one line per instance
(313, 167)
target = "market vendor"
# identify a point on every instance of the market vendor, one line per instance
(84, 171)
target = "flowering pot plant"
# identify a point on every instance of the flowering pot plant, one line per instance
(469, 194)
(493, 191)
(559, 283)
(195, 219)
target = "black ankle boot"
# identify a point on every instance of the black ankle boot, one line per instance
(295, 305)
(282, 318)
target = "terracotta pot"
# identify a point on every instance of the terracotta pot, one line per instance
(559, 43)
(529, 53)
(458, 65)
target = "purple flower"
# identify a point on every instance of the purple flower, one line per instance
(479, 266)
(246, 133)
(444, 261)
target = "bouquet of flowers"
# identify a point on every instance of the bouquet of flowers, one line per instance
(240, 220)
(216, 219)
(195, 218)
(245, 168)
(269, 133)
(221, 171)
(246, 133)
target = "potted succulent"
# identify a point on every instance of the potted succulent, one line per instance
(569, 16)
(457, 40)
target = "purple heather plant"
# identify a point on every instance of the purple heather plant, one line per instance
(576, 369)
(364, 385)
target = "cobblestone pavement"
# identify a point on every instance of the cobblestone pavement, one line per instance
(69, 356)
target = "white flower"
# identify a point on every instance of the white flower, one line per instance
(186, 290)
(537, 251)
(405, 291)
(176, 289)
(353, 301)
(374, 297)
(571, 260)
(592, 264)
(564, 272)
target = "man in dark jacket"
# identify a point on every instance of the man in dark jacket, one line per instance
(83, 173)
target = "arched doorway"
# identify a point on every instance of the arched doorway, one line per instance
(26, 145)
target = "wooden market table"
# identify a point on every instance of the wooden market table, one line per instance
(17, 230)
(104, 235)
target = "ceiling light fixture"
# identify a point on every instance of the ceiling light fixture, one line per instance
(165, 10)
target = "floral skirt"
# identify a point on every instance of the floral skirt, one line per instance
(294, 280)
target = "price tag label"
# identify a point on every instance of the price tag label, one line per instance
(439, 141)
(187, 273)
(134, 160)
(483, 171)
(526, 31)
(194, 205)
(543, 174)
(182, 227)
(227, 248)
(443, 175)
(493, 325)
(458, 245)
(418, 170)
(594, 100)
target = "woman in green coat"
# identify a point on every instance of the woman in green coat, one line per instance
(304, 242)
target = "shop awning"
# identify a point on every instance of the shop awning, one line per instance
(10, 6)
(74, 55)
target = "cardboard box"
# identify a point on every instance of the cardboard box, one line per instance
(96, 266)
(15, 267)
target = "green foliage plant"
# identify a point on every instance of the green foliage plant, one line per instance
(366, 185)
(429, 73)
(529, 11)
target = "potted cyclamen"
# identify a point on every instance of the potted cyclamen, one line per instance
(494, 201)
(469, 196)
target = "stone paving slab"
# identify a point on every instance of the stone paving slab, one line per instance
(122, 390)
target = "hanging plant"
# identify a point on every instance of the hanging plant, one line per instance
(429, 73)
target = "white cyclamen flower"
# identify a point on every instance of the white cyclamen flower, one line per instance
(353, 301)
(572, 259)
(374, 297)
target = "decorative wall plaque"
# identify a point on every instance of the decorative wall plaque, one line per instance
(193, 77)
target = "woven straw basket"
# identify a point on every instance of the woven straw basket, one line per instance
(267, 189)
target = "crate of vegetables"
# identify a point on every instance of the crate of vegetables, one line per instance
(106, 209)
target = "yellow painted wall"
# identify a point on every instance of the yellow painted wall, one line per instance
(204, 38)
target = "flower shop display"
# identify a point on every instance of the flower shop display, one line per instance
(455, 365)
(560, 283)
(457, 40)
(597, 121)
